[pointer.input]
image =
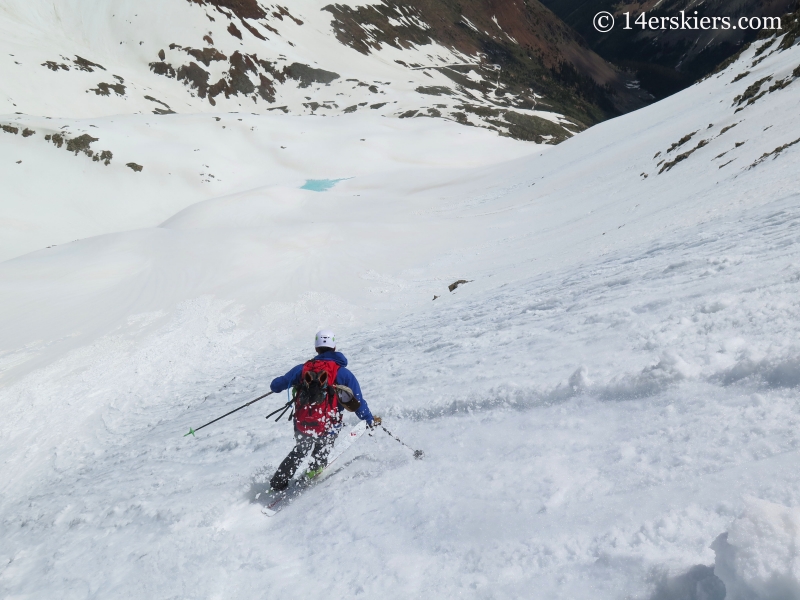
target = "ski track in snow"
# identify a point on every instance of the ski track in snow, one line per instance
(590, 423)
(628, 462)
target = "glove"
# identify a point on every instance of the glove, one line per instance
(376, 421)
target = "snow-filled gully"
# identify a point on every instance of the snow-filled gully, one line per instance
(612, 393)
(566, 441)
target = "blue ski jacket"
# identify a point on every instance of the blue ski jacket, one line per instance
(343, 377)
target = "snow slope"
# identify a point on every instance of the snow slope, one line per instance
(90, 58)
(90, 90)
(123, 38)
(53, 196)
(614, 388)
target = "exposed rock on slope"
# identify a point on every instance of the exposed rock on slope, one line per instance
(529, 58)
(509, 66)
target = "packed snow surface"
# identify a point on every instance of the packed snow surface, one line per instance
(612, 390)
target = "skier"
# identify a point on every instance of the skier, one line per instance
(323, 388)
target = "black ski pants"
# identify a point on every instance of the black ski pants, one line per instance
(320, 448)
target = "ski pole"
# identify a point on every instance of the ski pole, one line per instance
(193, 431)
(418, 454)
(281, 410)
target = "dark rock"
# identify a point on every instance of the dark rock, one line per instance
(533, 128)
(196, 78)
(162, 68)
(681, 141)
(244, 9)
(255, 31)
(206, 55)
(435, 90)
(681, 157)
(87, 65)
(455, 284)
(104, 89)
(166, 111)
(308, 75)
(81, 144)
(234, 31)
(104, 157)
(53, 66)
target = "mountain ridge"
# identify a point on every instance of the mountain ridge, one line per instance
(516, 69)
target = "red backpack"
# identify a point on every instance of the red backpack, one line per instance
(316, 403)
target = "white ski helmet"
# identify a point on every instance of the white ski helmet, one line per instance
(325, 339)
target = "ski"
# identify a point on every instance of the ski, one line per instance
(276, 501)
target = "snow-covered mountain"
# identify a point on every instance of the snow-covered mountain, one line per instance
(513, 67)
(76, 73)
(610, 392)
